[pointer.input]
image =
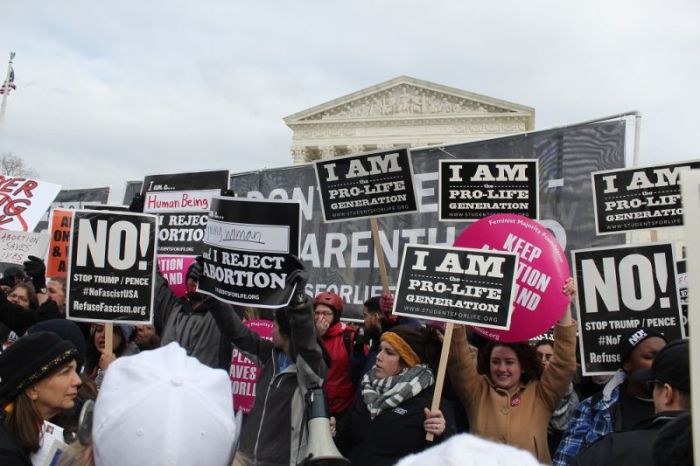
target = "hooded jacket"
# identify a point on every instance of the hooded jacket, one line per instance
(193, 329)
(339, 388)
(274, 433)
(520, 420)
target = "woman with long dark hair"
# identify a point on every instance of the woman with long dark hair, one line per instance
(38, 380)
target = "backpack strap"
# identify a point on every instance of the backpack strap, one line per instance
(347, 339)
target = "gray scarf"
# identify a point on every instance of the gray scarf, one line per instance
(382, 394)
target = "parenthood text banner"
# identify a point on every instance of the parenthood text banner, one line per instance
(340, 256)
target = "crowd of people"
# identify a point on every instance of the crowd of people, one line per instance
(159, 394)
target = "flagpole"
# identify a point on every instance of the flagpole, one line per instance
(6, 92)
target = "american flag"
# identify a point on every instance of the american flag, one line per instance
(10, 83)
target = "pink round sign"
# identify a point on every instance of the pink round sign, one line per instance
(244, 373)
(542, 270)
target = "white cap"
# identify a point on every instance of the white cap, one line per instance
(162, 407)
(469, 450)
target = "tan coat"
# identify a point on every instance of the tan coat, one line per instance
(491, 414)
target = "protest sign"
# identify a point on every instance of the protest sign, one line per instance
(23, 201)
(244, 373)
(464, 286)
(474, 189)
(370, 185)
(52, 445)
(182, 202)
(17, 246)
(542, 270)
(57, 262)
(639, 198)
(340, 257)
(622, 289)
(111, 271)
(83, 198)
(682, 284)
(248, 244)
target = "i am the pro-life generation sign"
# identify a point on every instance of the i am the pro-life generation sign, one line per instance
(361, 186)
(639, 198)
(474, 189)
(465, 286)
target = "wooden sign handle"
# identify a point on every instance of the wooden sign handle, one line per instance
(109, 334)
(440, 380)
(380, 254)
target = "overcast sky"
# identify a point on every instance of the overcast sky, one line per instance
(109, 92)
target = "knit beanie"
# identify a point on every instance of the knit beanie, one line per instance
(630, 339)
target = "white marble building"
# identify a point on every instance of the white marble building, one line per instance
(402, 112)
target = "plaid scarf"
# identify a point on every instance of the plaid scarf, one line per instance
(382, 394)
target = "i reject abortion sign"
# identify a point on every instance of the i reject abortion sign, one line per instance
(541, 272)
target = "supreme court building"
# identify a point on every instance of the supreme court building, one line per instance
(400, 112)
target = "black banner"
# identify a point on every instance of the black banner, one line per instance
(639, 198)
(340, 256)
(465, 286)
(621, 289)
(248, 244)
(474, 189)
(112, 267)
(370, 185)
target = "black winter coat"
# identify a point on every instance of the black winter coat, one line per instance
(392, 434)
(10, 453)
(629, 448)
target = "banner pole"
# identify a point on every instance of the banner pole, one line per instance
(380, 254)
(440, 379)
(109, 334)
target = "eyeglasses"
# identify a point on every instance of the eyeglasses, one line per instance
(323, 313)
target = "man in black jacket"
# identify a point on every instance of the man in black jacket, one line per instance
(670, 377)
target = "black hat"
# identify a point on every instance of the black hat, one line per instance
(631, 339)
(671, 365)
(66, 329)
(29, 360)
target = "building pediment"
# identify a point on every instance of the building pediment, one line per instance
(406, 97)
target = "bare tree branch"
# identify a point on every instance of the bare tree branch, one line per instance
(12, 165)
